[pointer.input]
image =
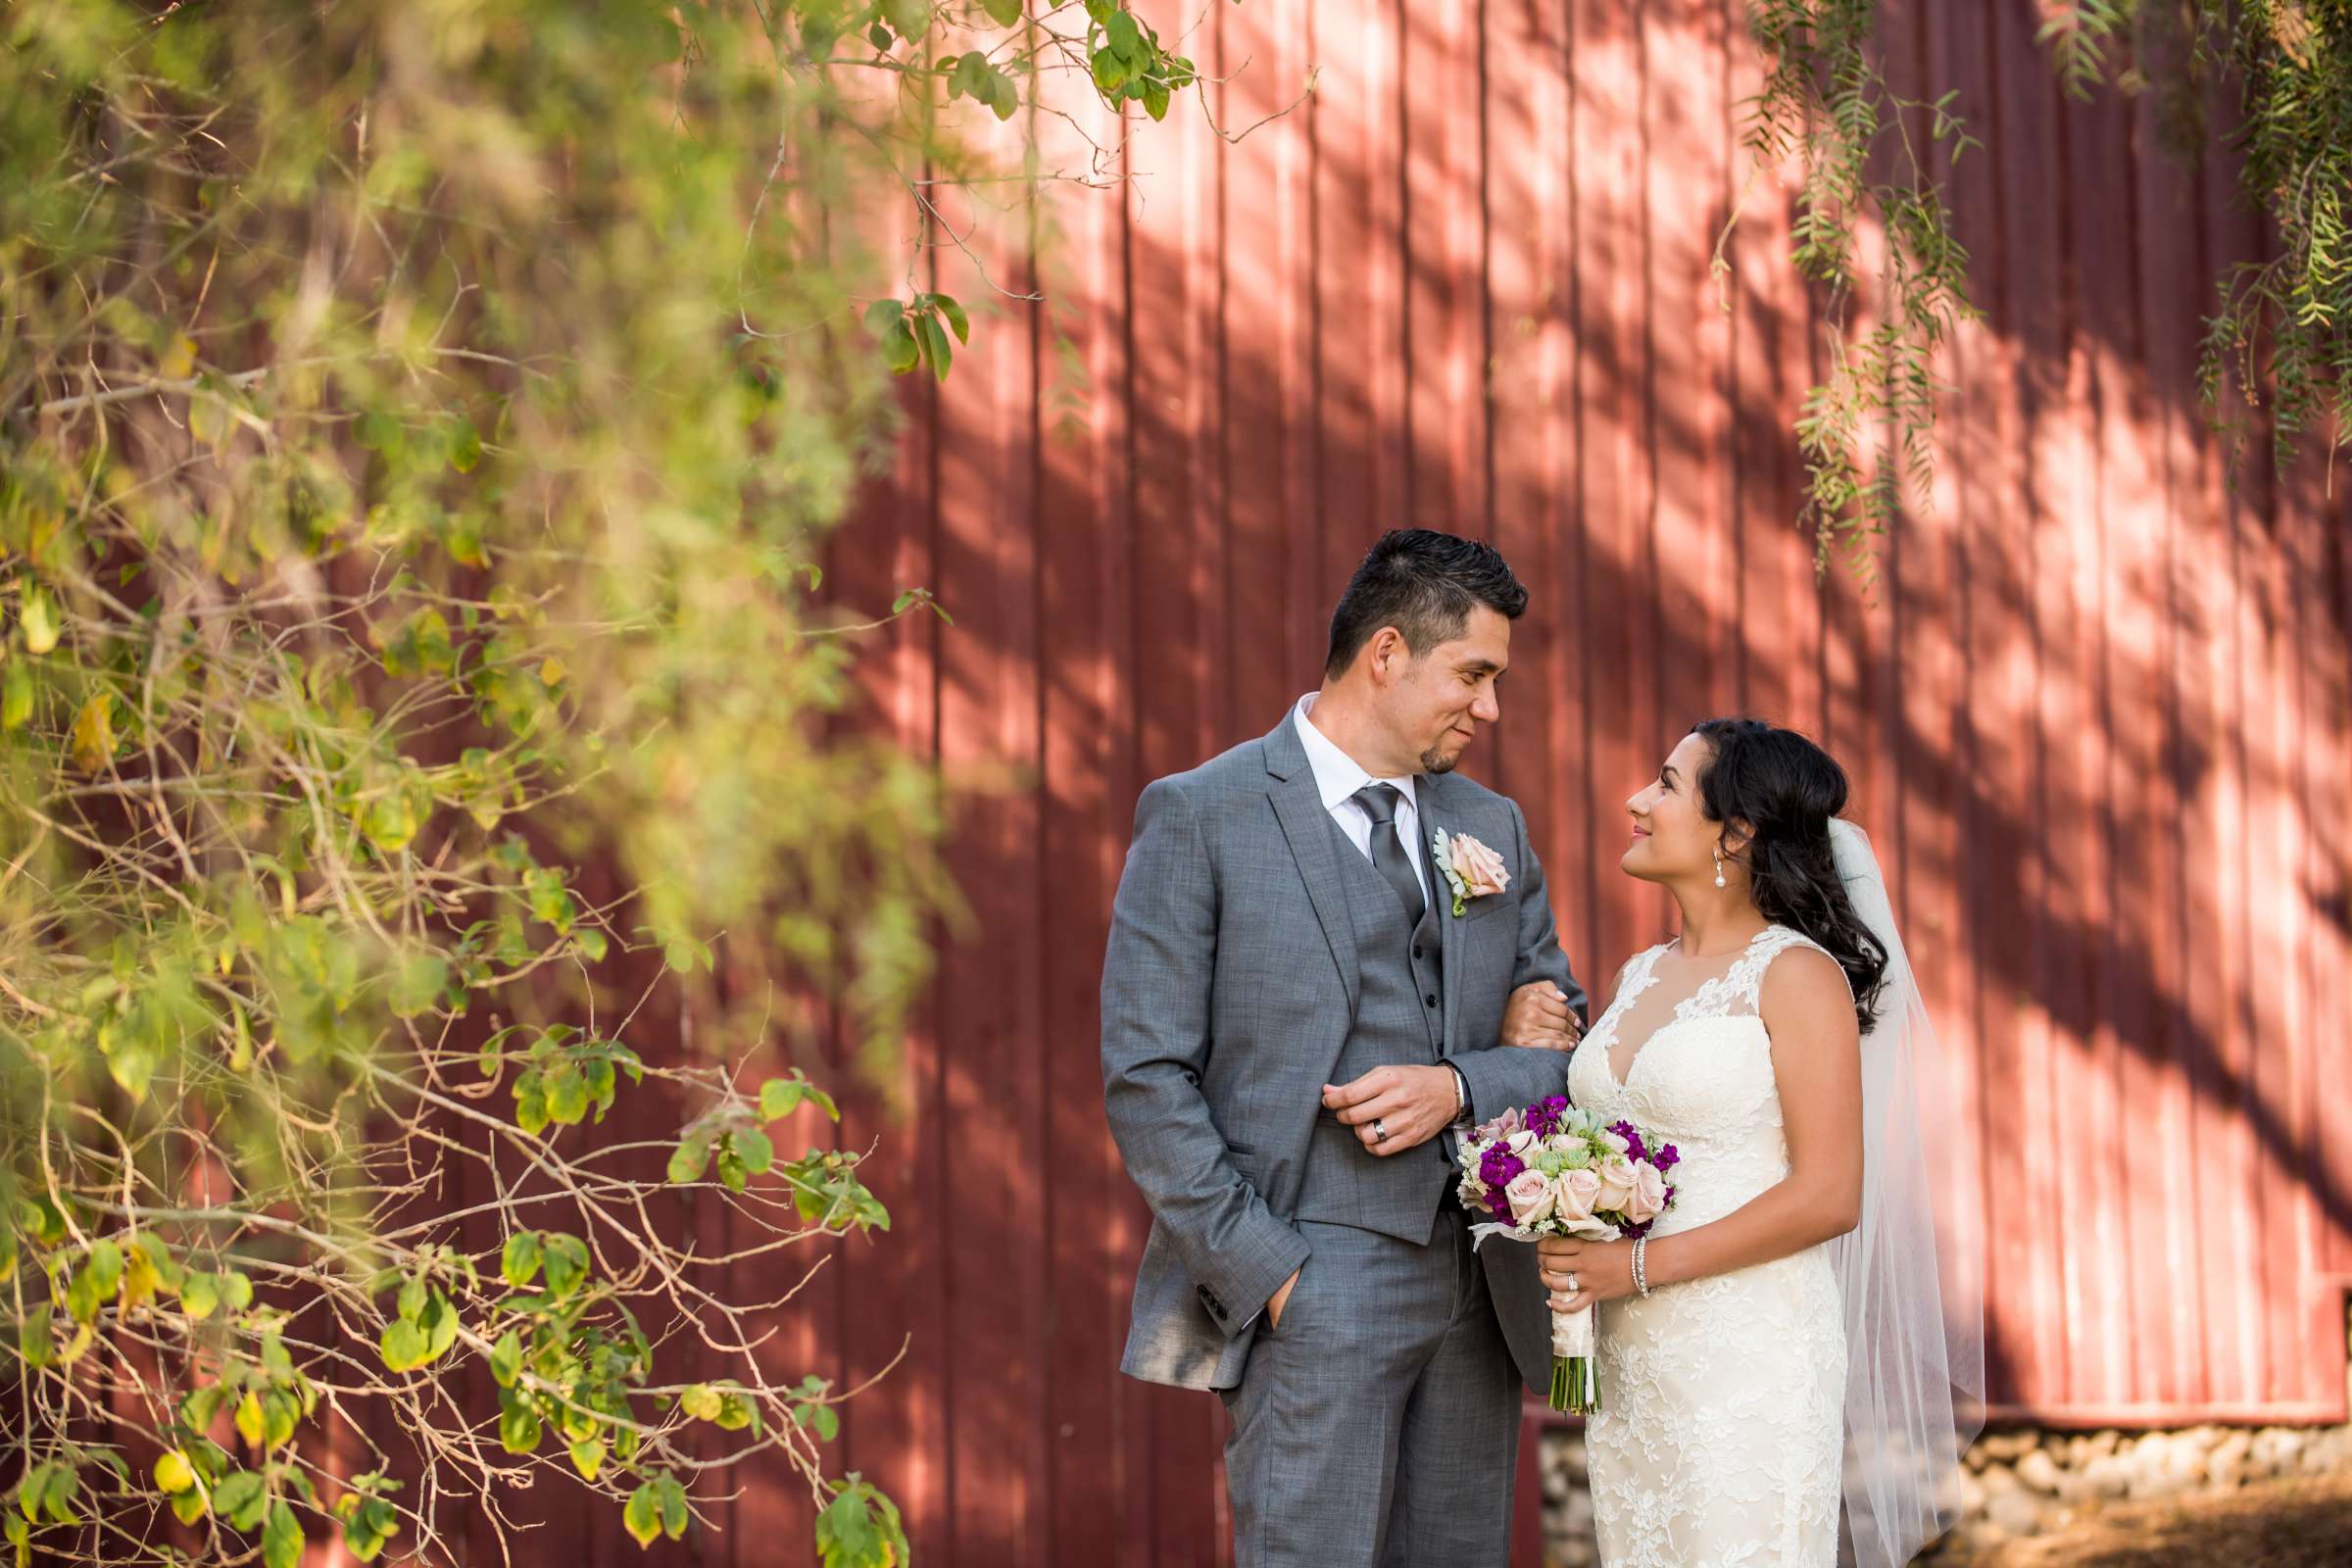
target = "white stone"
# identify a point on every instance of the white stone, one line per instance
(2038, 1471)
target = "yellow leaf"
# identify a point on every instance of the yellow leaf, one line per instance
(180, 359)
(94, 731)
(552, 671)
(80, 1343)
(249, 1420)
(206, 420)
(173, 1473)
(139, 1278)
(40, 622)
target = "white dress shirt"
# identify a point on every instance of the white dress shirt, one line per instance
(1336, 779)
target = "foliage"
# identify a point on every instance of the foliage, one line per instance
(1827, 103)
(418, 429)
(1867, 431)
(2290, 62)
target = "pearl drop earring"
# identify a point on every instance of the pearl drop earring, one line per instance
(1719, 865)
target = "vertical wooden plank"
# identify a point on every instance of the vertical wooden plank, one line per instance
(1931, 818)
(1685, 169)
(1527, 396)
(2015, 1039)
(1777, 667)
(1094, 1471)
(899, 1432)
(1624, 737)
(992, 1255)
(2089, 476)
(1360, 319)
(1443, 401)
(1265, 369)
(1176, 602)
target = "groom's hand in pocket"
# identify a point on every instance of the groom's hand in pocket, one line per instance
(1282, 1298)
(1409, 1106)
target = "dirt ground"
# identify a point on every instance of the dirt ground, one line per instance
(2303, 1522)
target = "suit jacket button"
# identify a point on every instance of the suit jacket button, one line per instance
(1416, 951)
(1431, 999)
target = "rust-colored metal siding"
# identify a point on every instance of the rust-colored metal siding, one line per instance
(2096, 719)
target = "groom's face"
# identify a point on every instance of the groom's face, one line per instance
(1444, 694)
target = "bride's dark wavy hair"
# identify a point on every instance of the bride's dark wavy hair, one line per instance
(1786, 789)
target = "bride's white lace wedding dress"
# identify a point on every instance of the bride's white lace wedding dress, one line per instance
(1720, 1436)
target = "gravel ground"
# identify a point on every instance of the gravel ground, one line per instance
(2302, 1522)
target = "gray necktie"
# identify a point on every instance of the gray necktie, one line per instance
(1378, 801)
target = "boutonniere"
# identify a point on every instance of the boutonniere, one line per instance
(1471, 869)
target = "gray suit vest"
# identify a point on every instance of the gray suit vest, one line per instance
(1400, 1021)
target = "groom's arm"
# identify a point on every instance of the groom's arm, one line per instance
(1504, 1076)
(1156, 977)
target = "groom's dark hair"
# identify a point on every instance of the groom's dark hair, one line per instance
(1423, 583)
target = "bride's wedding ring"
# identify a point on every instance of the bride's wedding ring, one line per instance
(1571, 1284)
(1380, 1130)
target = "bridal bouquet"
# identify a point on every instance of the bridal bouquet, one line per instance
(1555, 1170)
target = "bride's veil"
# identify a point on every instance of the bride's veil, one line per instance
(1914, 1304)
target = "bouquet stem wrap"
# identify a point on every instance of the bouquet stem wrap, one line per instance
(1574, 1388)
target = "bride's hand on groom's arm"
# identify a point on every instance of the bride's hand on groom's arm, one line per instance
(1394, 1109)
(1537, 1018)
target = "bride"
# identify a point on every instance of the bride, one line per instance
(1786, 1334)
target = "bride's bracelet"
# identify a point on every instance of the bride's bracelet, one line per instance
(1640, 1273)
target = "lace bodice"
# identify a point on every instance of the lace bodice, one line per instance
(1721, 1430)
(1700, 1077)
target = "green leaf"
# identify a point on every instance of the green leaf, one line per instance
(588, 1458)
(882, 315)
(780, 1097)
(31, 1487)
(642, 1518)
(530, 1102)
(567, 1091)
(1004, 13)
(506, 1358)
(673, 1507)
(465, 446)
(16, 695)
(439, 1321)
(56, 1498)
(240, 1498)
(566, 1259)
(754, 1149)
(411, 1296)
(954, 312)
(519, 1264)
(691, 1159)
(519, 1430)
(281, 1541)
(899, 351)
(403, 1347)
(701, 1401)
(935, 345)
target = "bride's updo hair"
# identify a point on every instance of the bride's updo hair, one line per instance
(1786, 789)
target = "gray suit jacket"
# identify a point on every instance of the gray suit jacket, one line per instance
(1228, 990)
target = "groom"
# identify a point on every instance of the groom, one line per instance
(1302, 1002)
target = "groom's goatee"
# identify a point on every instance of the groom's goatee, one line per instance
(1433, 762)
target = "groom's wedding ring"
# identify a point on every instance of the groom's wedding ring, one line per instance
(1380, 1129)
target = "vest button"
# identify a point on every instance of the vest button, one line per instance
(1431, 999)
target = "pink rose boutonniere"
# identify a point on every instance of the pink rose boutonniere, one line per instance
(1471, 869)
